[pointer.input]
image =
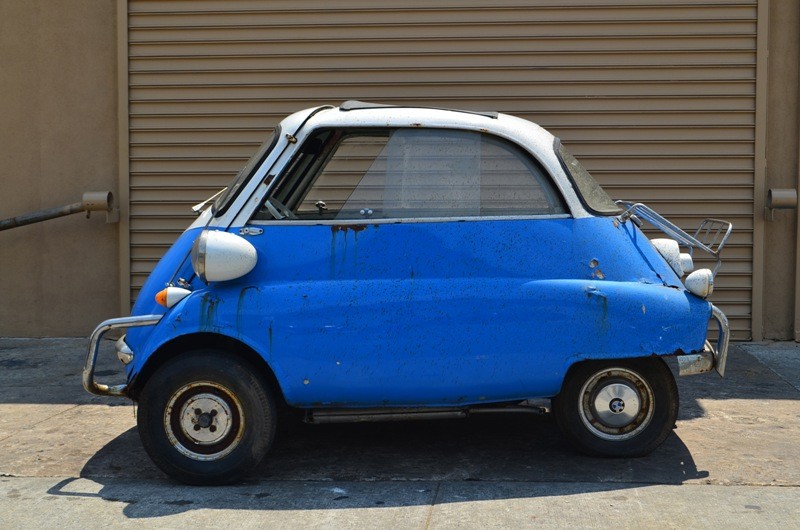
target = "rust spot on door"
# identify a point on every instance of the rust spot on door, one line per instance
(345, 228)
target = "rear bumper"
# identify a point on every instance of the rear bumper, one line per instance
(713, 357)
(100, 389)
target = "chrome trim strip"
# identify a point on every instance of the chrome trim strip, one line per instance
(89, 383)
(402, 220)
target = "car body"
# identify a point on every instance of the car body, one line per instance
(389, 262)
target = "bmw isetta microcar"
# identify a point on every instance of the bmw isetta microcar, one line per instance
(375, 262)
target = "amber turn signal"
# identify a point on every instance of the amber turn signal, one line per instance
(171, 295)
(161, 297)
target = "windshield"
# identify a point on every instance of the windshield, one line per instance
(224, 201)
(591, 194)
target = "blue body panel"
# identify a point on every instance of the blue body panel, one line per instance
(435, 313)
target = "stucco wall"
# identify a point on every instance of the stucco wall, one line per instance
(782, 147)
(58, 138)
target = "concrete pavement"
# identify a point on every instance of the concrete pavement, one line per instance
(73, 460)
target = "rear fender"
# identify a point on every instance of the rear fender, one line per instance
(608, 320)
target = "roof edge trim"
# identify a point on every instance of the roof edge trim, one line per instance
(353, 104)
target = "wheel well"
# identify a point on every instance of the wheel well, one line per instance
(574, 366)
(205, 341)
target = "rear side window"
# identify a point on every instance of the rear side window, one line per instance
(411, 173)
(591, 194)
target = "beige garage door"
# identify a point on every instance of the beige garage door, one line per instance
(657, 98)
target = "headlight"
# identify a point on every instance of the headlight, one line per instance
(701, 283)
(220, 256)
(124, 353)
(687, 264)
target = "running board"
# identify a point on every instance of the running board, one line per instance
(404, 414)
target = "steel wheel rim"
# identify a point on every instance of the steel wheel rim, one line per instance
(204, 421)
(616, 404)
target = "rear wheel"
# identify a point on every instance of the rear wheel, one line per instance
(206, 418)
(617, 408)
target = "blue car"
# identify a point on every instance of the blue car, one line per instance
(376, 262)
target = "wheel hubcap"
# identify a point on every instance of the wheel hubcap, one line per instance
(204, 421)
(616, 404)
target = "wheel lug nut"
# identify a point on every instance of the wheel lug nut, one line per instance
(198, 411)
(196, 427)
(213, 412)
(213, 428)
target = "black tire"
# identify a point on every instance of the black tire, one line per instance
(591, 408)
(206, 418)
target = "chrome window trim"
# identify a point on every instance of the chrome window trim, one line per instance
(405, 220)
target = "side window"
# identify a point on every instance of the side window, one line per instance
(351, 180)
(410, 173)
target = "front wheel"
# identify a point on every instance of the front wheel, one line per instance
(206, 418)
(621, 408)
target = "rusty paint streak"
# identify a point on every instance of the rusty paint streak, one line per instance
(208, 311)
(345, 228)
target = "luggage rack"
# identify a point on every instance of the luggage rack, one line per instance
(710, 236)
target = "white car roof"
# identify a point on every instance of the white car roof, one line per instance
(354, 114)
(358, 113)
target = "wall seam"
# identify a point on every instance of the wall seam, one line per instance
(796, 320)
(123, 158)
(760, 170)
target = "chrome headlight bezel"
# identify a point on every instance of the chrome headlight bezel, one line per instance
(199, 255)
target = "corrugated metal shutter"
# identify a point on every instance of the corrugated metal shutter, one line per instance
(657, 98)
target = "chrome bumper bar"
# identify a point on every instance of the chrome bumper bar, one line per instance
(92, 386)
(712, 357)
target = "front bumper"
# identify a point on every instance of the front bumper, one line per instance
(92, 386)
(712, 357)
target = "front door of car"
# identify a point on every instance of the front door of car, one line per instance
(394, 266)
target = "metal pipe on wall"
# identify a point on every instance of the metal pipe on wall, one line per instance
(92, 201)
